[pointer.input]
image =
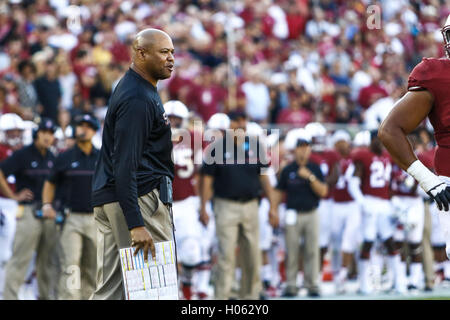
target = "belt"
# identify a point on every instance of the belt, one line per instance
(242, 199)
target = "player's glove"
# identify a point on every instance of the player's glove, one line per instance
(431, 184)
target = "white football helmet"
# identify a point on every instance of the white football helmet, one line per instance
(218, 121)
(341, 135)
(292, 137)
(362, 139)
(176, 108)
(446, 34)
(254, 129)
(318, 135)
(8, 122)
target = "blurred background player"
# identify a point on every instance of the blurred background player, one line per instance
(410, 211)
(11, 139)
(194, 240)
(369, 186)
(327, 160)
(272, 236)
(346, 215)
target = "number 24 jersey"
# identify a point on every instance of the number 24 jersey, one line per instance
(377, 171)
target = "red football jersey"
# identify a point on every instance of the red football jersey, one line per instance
(376, 172)
(340, 191)
(184, 158)
(326, 160)
(427, 158)
(402, 184)
(434, 75)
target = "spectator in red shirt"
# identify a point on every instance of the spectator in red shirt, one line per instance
(4, 106)
(205, 95)
(368, 95)
(296, 115)
(85, 72)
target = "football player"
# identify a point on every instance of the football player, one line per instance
(327, 159)
(369, 186)
(410, 211)
(427, 96)
(11, 130)
(346, 217)
(193, 239)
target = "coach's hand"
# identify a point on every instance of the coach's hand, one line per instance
(48, 211)
(142, 239)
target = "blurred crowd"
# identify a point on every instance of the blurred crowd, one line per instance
(286, 62)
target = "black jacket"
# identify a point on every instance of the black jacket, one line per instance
(136, 147)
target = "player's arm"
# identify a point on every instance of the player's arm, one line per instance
(406, 115)
(206, 192)
(354, 182)
(270, 194)
(333, 177)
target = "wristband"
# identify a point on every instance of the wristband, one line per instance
(47, 205)
(427, 179)
(312, 178)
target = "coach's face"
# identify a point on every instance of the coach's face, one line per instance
(158, 60)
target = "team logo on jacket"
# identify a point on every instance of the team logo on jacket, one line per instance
(75, 164)
(166, 119)
(34, 164)
(50, 164)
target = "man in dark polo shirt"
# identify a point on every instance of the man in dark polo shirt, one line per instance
(303, 184)
(30, 166)
(131, 191)
(73, 171)
(234, 177)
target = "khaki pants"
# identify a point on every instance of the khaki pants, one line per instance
(427, 256)
(237, 223)
(306, 227)
(78, 257)
(113, 234)
(32, 234)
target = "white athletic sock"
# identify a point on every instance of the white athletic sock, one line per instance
(300, 279)
(341, 278)
(416, 273)
(446, 265)
(343, 273)
(393, 264)
(364, 276)
(400, 276)
(203, 277)
(266, 272)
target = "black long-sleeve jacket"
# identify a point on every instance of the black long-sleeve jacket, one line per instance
(136, 147)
